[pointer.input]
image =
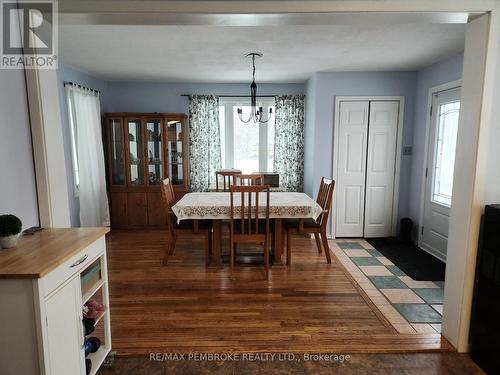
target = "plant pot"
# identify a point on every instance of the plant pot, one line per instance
(9, 241)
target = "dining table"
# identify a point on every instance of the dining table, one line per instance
(216, 206)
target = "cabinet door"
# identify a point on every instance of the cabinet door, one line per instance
(137, 208)
(118, 209)
(154, 151)
(136, 152)
(175, 151)
(116, 152)
(156, 211)
(64, 330)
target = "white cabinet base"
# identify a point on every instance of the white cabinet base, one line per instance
(42, 329)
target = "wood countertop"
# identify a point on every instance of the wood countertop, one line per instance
(38, 254)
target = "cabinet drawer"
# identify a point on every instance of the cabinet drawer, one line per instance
(73, 266)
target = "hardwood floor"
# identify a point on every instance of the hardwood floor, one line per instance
(358, 364)
(311, 306)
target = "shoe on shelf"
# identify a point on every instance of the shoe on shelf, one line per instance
(93, 309)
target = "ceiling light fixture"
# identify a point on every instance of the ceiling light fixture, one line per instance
(255, 112)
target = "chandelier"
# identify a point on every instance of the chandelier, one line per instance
(255, 112)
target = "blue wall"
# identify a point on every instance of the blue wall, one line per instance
(442, 72)
(329, 85)
(18, 195)
(309, 131)
(166, 97)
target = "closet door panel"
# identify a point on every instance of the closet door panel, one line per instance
(353, 132)
(381, 161)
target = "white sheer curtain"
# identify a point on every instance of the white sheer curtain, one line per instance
(90, 176)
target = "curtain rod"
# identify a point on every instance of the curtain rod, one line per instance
(81, 86)
(237, 96)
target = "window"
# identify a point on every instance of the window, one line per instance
(249, 147)
(444, 156)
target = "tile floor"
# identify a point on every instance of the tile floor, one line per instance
(410, 306)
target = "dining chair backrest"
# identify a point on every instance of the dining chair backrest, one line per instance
(167, 192)
(325, 196)
(321, 198)
(249, 179)
(248, 213)
(168, 198)
(228, 179)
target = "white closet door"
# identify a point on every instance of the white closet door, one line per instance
(350, 195)
(381, 161)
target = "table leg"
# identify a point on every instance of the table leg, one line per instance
(216, 243)
(278, 243)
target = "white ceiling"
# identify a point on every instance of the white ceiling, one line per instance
(215, 53)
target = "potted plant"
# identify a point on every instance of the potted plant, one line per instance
(10, 227)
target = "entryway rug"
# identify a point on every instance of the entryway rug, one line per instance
(412, 260)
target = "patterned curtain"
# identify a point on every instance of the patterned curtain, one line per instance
(289, 141)
(204, 141)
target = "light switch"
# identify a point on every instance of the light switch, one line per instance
(407, 150)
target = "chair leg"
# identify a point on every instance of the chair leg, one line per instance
(318, 242)
(168, 250)
(231, 255)
(273, 241)
(207, 248)
(288, 247)
(174, 241)
(210, 234)
(266, 257)
(325, 245)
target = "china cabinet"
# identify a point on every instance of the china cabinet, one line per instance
(142, 150)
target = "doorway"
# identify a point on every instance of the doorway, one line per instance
(439, 170)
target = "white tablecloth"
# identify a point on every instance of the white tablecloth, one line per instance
(218, 206)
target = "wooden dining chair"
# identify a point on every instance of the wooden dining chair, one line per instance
(249, 179)
(249, 224)
(228, 179)
(186, 227)
(316, 227)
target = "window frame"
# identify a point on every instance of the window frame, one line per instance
(228, 103)
(438, 144)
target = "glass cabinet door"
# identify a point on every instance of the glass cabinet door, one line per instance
(175, 151)
(155, 167)
(117, 152)
(135, 147)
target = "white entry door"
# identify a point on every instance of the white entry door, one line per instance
(381, 162)
(350, 195)
(439, 172)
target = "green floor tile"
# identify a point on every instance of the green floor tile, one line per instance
(349, 245)
(395, 270)
(430, 295)
(374, 253)
(418, 313)
(387, 282)
(439, 284)
(366, 261)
